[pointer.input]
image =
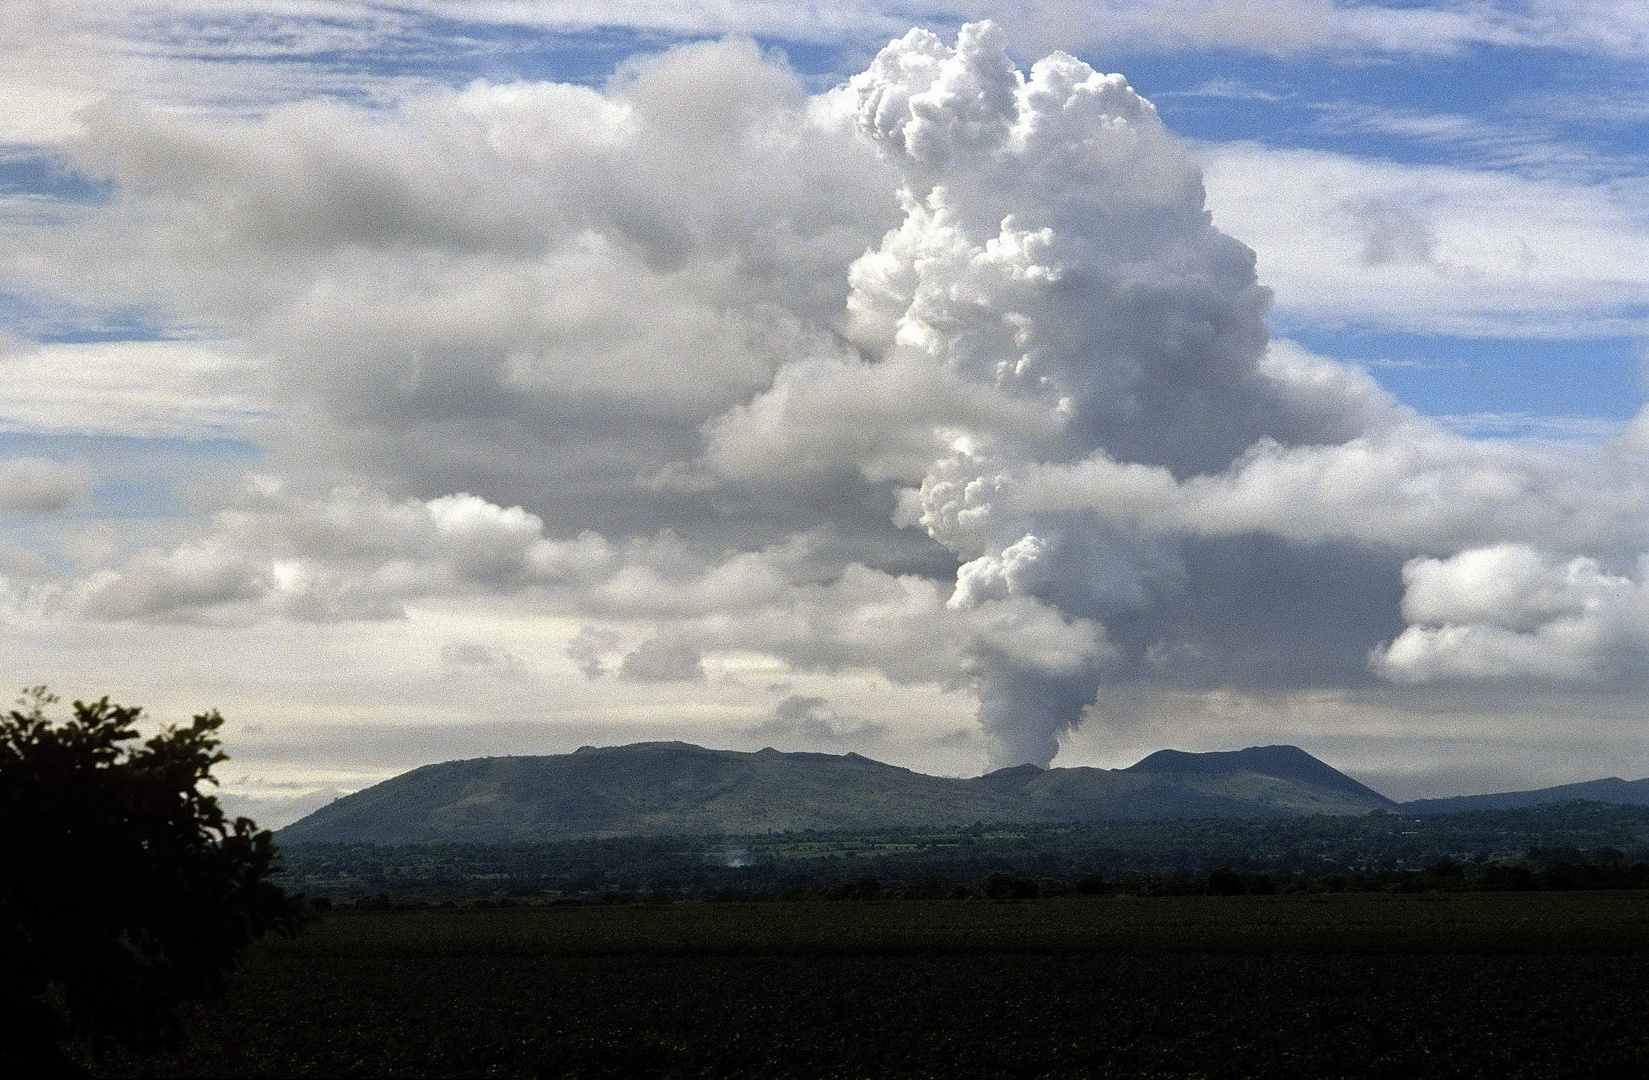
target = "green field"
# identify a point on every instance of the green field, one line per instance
(1469, 985)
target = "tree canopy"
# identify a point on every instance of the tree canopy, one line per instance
(125, 892)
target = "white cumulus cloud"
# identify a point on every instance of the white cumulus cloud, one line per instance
(1510, 612)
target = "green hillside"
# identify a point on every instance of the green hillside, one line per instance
(663, 788)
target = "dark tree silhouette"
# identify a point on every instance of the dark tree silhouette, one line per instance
(124, 891)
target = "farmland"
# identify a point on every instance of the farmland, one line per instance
(1364, 985)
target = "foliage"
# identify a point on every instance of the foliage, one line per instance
(1385, 851)
(124, 891)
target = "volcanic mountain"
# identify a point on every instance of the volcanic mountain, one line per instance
(668, 787)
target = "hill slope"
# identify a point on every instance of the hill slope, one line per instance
(1612, 790)
(658, 788)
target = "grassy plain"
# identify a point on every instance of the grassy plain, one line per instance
(1358, 985)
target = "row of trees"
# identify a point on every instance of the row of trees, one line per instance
(1541, 838)
(1440, 877)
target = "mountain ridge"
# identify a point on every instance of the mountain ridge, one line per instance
(660, 788)
(1611, 789)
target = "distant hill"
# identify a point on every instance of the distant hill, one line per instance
(1612, 790)
(662, 788)
(1278, 762)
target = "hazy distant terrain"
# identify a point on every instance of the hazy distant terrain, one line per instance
(662, 788)
(1384, 846)
(1611, 790)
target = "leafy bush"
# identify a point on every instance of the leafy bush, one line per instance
(124, 891)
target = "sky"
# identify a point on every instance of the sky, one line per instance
(957, 384)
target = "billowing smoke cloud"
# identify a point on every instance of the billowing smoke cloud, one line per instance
(944, 374)
(1055, 257)
(1111, 433)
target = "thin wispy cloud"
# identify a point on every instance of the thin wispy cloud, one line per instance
(1535, 146)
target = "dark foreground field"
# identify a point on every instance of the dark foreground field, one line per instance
(1447, 985)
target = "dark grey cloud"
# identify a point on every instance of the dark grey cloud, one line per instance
(35, 485)
(809, 722)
